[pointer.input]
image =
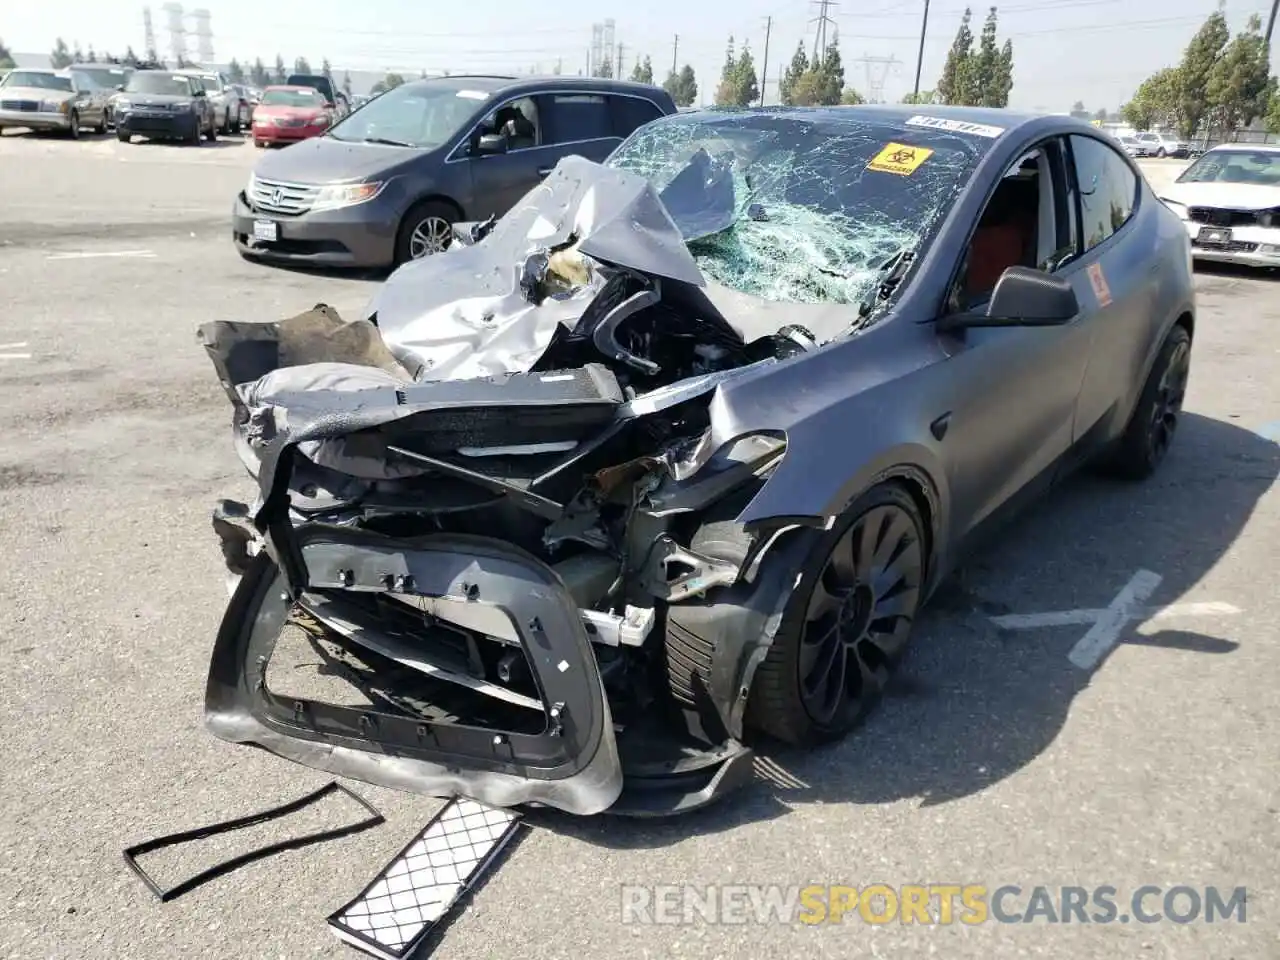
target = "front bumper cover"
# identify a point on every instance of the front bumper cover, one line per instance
(573, 765)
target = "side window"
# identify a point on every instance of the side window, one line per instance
(1023, 224)
(518, 121)
(630, 113)
(574, 117)
(1108, 189)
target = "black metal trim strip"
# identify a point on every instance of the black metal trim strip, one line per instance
(131, 854)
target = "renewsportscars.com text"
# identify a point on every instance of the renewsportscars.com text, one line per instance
(931, 904)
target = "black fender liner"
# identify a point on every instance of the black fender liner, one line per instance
(573, 764)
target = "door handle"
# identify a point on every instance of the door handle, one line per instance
(543, 171)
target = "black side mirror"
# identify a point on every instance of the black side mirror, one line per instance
(1023, 297)
(491, 143)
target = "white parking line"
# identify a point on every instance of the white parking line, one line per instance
(93, 254)
(14, 356)
(1107, 623)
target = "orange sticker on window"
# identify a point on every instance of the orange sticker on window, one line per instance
(1099, 281)
(899, 158)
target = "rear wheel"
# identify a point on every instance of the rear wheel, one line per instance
(123, 135)
(212, 134)
(427, 229)
(1160, 154)
(196, 133)
(1147, 438)
(103, 122)
(845, 624)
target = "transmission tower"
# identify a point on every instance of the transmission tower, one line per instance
(878, 70)
(822, 20)
(149, 34)
(204, 36)
(177, 31)
(610, 50)
(597, 49)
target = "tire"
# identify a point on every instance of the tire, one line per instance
(1151, 429)
(212, 134)
(1160, 154)
(193, 138)
(73, 131)
(420, 230)
(260, 144)
(853, 607)
(123, 136)
(102, 124)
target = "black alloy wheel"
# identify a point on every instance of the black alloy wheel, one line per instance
(846, 624)
(1151, 430)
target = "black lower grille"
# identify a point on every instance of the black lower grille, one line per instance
(1220, 217)
(1231, 246)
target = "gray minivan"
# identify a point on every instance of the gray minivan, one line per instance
(387, 183)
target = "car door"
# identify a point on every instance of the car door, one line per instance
(630, 113)
(1118, 266)
(576, 123)
(498, 180)
(1009, 413)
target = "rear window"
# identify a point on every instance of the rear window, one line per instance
(574, 117)
(630, 113)
(293, 98)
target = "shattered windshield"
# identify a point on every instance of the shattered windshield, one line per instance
(798, 210)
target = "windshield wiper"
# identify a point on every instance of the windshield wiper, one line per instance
(385, 141)
(892, 271)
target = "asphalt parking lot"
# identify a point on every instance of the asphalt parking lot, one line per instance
(998, 759)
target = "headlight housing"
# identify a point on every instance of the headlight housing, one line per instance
(183, 106)
(1179, 208)
(120, 103)
(346, 194)
(54, 106)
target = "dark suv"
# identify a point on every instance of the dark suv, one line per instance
(387, 183)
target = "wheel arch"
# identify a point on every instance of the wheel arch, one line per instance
(434, 198)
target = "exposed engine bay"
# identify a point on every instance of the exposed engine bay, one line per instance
(491, 512)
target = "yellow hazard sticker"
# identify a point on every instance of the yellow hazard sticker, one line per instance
(899, 158)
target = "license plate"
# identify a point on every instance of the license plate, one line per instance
(266, 230)
(1214, 235)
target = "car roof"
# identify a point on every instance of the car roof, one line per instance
(1248, 147)
(298, 87)
(895, 115)
(509, 83)
(34, 70)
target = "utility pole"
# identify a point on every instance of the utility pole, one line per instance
(924, 26)
(822, 19)
(675, 47)
(764, 64)
(618, 74)
(1271, 23)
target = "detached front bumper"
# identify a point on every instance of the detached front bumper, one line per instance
(362, 236)
(171, 126)
(1249, 246)
(35, 119)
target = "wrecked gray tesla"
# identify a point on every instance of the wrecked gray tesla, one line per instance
(671, 452)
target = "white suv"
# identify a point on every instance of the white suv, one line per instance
(1163, 145)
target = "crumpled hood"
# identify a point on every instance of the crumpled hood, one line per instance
(1236, 196)
(326, 160)
(467, 312)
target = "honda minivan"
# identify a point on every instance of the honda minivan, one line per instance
(387, 183)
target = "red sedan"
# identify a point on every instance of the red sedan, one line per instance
(287, 114)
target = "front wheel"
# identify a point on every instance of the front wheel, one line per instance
(123, 135)
(103, 123)
(1160, 154)
(427, 229)
(73, 128)
(846, 623)
(212, 133)
(1146, 440)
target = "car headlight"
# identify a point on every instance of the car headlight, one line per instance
(250, 186)
(184, 106)
(1179, 208)
(346, 194)
(53, 106)
(120, 103)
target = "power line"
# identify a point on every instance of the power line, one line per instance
(822, 19)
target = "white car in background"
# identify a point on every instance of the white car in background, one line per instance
(1229, 200)
(1162, 145)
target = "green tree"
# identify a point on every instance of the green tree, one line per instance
(682, 85)
(747, 90)
(77, 55)
(130, 57)
(1273, 113)
(389, 82)
(258, 73)
(326, 70)
(796, 69)
(728, 87)
(956, 85)
(1156, 102)
(831, 70)
(1100, 114)
(235, 72)
(91, 56)
(1240, 85)
(280, 74)
(301, 65)
(6, 58)
(1202, 54)
(61, 56)
(604, 69)
(642, 72)
(346, 83)
(851, 97)
(924, 96)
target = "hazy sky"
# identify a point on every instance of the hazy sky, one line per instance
(1064, 50)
